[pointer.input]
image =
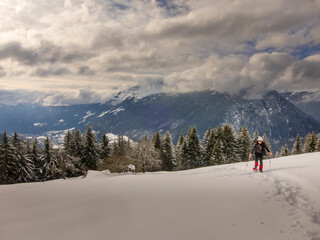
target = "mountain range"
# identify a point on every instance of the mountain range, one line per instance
(135, 113)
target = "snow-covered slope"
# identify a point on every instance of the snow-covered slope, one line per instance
(223, 202)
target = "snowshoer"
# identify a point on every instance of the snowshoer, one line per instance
(259, 150)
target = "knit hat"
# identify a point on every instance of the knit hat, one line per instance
(260, 139)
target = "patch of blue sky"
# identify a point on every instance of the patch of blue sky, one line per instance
(172, 8)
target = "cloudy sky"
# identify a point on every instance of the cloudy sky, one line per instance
(79, 51)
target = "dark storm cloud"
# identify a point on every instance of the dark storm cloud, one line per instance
(45, 52)
(44, 72)
(86, 71)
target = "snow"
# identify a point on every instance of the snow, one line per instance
(103, 113)
(39, 124)
(88, 114)
(115, 111)
(221, 202)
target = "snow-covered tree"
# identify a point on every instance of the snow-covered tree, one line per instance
(284, 150)
(297, 146)
(157, 141)
(23, 167)
(51, 167)
(7, 172)
(104, 147)
(217, 156)
(38, 162)
(79, 144)
(310, 144)
(167, 153)
(90, 156)
(318, 145)
(145, 157)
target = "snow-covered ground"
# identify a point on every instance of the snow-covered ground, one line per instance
(223, 202)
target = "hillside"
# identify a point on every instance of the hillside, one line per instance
(135, 114)
(222, 202)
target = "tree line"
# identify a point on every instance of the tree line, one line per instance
(23, 160)
(310, 144)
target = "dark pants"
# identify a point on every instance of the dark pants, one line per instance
(259, 157)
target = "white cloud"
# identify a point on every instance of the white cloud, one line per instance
(192, 44)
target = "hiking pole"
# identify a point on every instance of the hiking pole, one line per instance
(247, 165)
(269, 161)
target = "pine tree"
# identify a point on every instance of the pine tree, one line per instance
(209, 147)
(157, 141)
(318, 145)
(243, 144)
(297, 146)
(310, 143)
(90, 154)
(167, 153)
(69, 145)
(79, 144)
(228, 143)
(277, 155)
(37, 160)
(23, 166)
(104, 146)
(284, 150)
(191, 151)
(206, 136)
(51, 168)
(217, 156)
(6, 161)
(178, 151)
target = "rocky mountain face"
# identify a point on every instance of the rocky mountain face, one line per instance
(306, 100)
(136, 116)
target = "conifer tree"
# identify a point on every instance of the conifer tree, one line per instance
(192, 149)
(310, 143)
(318, 145)
(277, 155)
(157, 141)
(69, 144)
(51, 168)
(209, 147)
(79, 144)
(23, 167)
(167, 153)
(284, 150)
(90, 154)
(206, 136)
(178, 151)
(297, 146)
(104, 146)
(217, 156)
(228, 143)
(37, 160)
(243, 144)
(6, 161)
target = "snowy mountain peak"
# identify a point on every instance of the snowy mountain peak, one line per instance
(137, 92)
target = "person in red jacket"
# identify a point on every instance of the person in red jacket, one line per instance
(259, 150)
